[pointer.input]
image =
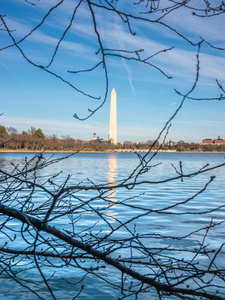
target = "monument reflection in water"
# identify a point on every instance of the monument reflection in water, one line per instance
(112, 175)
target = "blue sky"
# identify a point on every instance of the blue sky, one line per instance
(145, 97)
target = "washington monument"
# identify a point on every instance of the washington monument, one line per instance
(113, 119)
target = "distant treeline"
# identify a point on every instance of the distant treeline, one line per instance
(35, 140)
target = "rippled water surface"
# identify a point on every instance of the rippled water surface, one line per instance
(107, 168)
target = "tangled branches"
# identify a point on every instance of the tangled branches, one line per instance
(54, 230)
(34, 204)
(147, 13)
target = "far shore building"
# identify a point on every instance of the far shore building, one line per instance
(94, 137)
(217, 141)
(97, 138)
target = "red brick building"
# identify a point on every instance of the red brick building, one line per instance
(217, 141)
(207, 141)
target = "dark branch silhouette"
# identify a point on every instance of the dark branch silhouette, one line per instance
(34, 202)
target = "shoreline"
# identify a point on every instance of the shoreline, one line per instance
(107, 151)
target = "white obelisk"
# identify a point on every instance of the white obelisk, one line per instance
(113, 118)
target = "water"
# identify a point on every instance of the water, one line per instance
(140, 208)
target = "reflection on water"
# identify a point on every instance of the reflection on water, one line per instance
(112, 175)
(102, 167)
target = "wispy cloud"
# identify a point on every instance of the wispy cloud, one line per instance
(178, 62)
(45, 39)
(121, 42)
(11, 72)
(181, 61)
(129, 73)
